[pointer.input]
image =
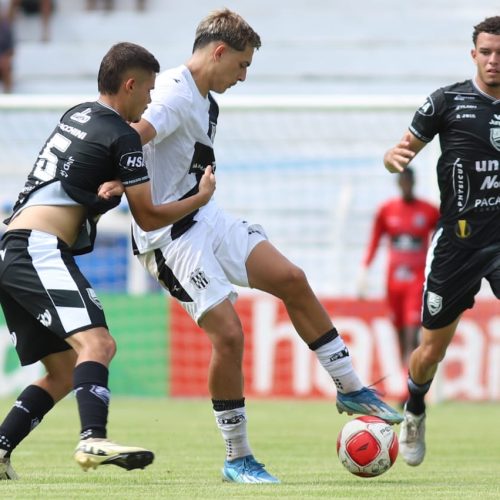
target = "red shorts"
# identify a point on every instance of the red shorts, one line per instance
(405, 304)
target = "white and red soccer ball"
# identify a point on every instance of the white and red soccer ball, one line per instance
(367, 446)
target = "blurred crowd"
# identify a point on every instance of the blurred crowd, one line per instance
(9, 12)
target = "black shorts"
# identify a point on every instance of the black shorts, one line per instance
(44, 296)
(453, 278)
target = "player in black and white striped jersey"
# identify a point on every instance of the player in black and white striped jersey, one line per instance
(200, 258)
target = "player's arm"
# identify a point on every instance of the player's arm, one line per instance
(150, 217)
(400, 155)
(145, 130)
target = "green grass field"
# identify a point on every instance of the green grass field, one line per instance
(295, 439)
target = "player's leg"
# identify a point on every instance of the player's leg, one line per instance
(270, 271)
(34, 402)
(411, 319)
(395, 301)
(192, 274)
(95, 349)
(423, 365)
(60, 311)
(225, 381)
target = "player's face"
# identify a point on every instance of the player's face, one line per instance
(231, 68)
(486, 55)
(140, 95)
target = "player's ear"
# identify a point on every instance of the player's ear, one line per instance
(473, 54)
(129, 84)
(219, 51)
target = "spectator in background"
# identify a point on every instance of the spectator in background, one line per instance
(31, 7)
(6, 52)
(109, 5)
(407, 222)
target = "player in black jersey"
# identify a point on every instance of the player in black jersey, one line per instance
(51, 310)
(466, 246)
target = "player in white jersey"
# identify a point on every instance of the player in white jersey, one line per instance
(200, 258)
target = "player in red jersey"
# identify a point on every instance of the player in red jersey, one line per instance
(407, 222)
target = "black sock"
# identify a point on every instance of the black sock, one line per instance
(90, 381)
(415, 403)
(324, 339)
(28, 411)
(227, 404)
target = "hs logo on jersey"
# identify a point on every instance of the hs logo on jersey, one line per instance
(133, 160)
(199, 279)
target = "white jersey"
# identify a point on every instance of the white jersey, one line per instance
(185, 124)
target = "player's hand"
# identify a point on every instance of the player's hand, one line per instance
(109, 189)
(207, 184)
(398, 157)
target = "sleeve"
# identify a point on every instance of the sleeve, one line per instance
(164, 112)
(426, 122)
(130, 159)
(375, 236)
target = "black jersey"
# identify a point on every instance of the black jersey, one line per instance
(468, 170)
(90, 145)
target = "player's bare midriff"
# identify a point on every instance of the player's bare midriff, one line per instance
(61, 221)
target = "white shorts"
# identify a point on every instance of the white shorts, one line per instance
(200, 267)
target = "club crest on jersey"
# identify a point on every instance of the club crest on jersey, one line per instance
(427, 108)
(199, 279)
(495, 137)
(434, 303)
(133, 160)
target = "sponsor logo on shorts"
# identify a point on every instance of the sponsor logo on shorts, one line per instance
(45, 318)
(199, 279)
(434, 303)
(13, 338)
(93, 297)
(2, 253)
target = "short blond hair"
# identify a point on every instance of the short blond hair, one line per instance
(226, 26)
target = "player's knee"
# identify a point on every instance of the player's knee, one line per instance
(294, 283)
(96, 344)
(432, 354)
(229, 342)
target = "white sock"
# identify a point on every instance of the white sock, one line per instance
(335, 358)
(233, 427)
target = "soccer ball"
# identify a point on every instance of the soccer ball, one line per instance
(367, 446)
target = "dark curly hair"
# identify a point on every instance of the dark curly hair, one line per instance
(490, 25)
